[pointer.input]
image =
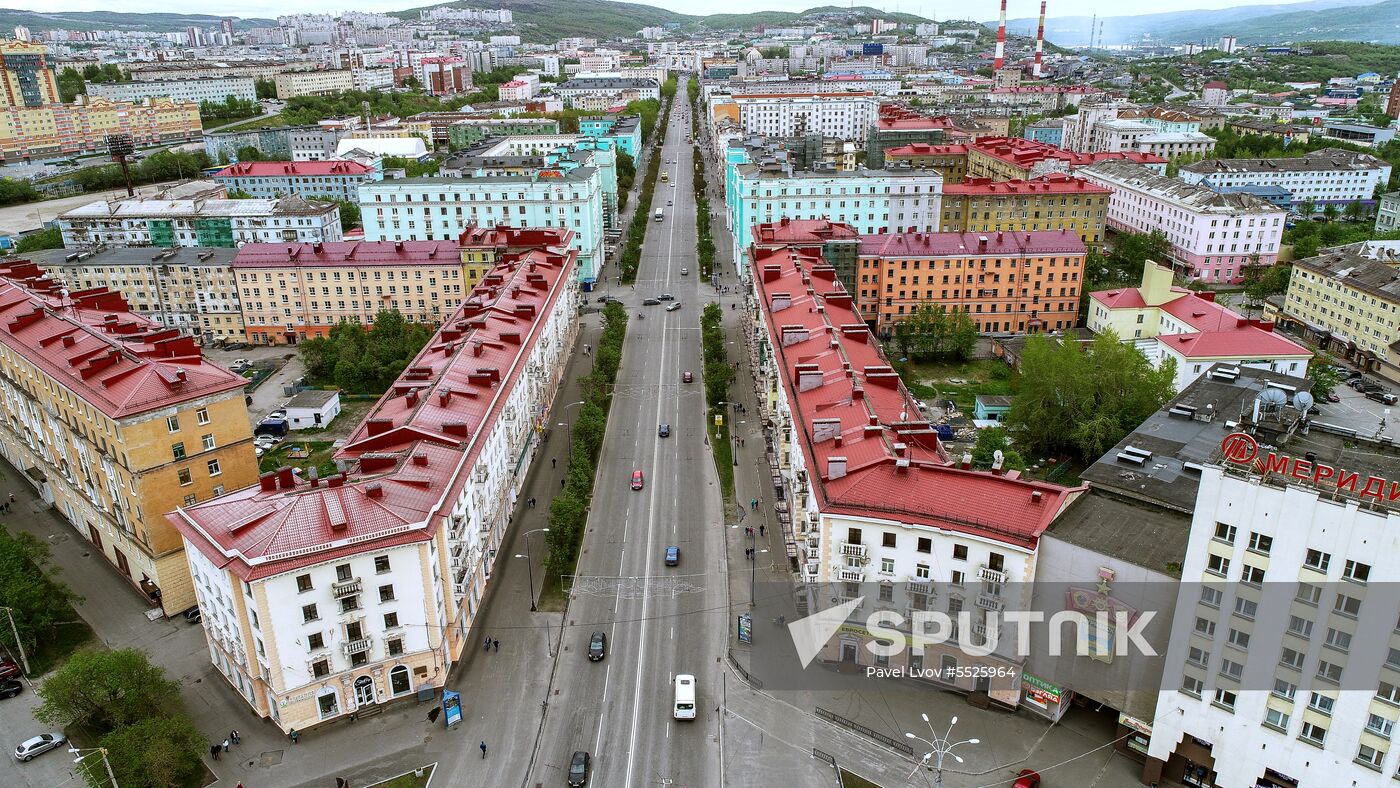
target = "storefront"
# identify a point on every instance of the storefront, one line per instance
(1045, 698)
(1192, 763)
(1273, 779)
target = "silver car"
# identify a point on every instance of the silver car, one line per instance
(39, 745)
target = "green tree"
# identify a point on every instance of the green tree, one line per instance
(52, 238)
(1084, 400)
(70, 84)
(626, 171)
(155, 752)
(1323, 375)
(1330, 211)
(266, 88)
(106, 689)
(1261, 282)
(249, 153)
(989, 442)
(14, 191)
(37, 602)
(349, 212)
(590, 428)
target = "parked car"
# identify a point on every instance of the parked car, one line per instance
(685, 272)
(10, 688)
(1027, 778)
(278, 414)
(8, 669)
(637, 480)
(578, 769)
(193, 615)
(241, 362)
(1382, 396)
(673, 556)
(597, 646)
(663, 431)
(665, 297)
(38, 745)
(1332, 396)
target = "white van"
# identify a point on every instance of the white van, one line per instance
(685, 697)
(658, 214)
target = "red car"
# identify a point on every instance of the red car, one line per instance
(636, 480)
(8, 669)
(1027, 778)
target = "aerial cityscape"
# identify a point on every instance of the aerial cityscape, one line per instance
(585, 393)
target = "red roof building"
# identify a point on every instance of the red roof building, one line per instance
(334, 178)
(1052, 202)
(1013, 158)
(422, 503)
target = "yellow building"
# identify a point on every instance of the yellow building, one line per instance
(115, 421)
(25, 74)
(313, 83)
(949, 160)
(1053, 202)
(1348, 303)
(27, 132)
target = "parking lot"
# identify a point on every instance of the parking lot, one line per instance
(1355, 411)
(17, 723)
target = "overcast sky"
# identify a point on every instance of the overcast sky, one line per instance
(985, 9)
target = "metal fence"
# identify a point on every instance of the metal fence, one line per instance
(893, 744)
(831, 761)
(748, 677)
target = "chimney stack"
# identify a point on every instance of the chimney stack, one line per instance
(1039, 42)
(1001, 40)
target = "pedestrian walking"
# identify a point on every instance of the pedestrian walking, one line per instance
(214, 750)
(234, 735)
(748, 530)
(496, 644)
(553, 461)
(762, 529)
(12, 497)
(483, 751)
(225, 745)
(487, 643)
(294, 735)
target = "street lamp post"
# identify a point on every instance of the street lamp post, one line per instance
(569, 424)
(939, 747)
(529, 565)
(18, 645)
(82, 754)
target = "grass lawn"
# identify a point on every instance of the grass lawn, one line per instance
(849, 780)
(55, 646)
(961, 382)
(553, 596)
(407, 779)
(723, 450)
(319, 455)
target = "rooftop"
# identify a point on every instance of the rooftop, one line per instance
(1351, 268)
(1054, 183)
(609, 83)
(1148, 536)
(925, 149)
(347, 254)
(992, 244)
(305, 169)
(869, 451)
(1025, 153)
(311, 398)
(1326, 159)
(88, 341)
(803, 231)
(134, 256)
(1194, 196)
(291, 205)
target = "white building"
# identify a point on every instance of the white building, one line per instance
(608, 89)
(312, 409)
(1329, 175)
(199, 222)
(325, 597)
(216, 90)
(1284, 662)
(843, 116)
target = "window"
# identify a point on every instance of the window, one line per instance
(1239, 639)
(1291, 657)
(887, 566)
(1252, 575)
(381, 564)
(921, 571)
(1192, 685)
(958, 578)
(1340, 640)
(1205, 626)
(1388, 693)
(207, 441)
(315, 641)
(1231, 668)
(1321, 703)
(1308, 594)
(887, 539)
(1347, 605)
(386, 593)
(396, 649)
(1260, 543)
(959, 552)
(1380, 725)
(1285, 688)
(1219, 565)
(1224, 698)
(202, 415)
(214, 469)
(1355, 570)
(177, 450)
(391, 620)
(304, 583)
(309, 613)
(1276, 719)
(1300, 626)
(191, 499)
(1316, 559)
(1329, 671)
(1211, 596)
(1198, 656)
(184, 475)
(1370, 755)
(1313, 732)
(925, 545)
(1245, 608)
(342, 573)
(1225, 533)
(321, 668)
(349, 603)
(172, 423)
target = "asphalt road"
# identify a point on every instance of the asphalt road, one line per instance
(660, 620)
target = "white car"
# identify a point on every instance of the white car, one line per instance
(39, 745)
(241, 362)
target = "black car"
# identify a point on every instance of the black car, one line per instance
(650, 302)
(665, 297)
(597, 646)
(578, 769)
(10, 688)
(663, 431)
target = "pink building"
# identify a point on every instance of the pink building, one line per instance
(1213, 236)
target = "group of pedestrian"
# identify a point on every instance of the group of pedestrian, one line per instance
(530, 502)
(748, 553)
(753, 503)
(5, 507)
(488, 644)
(233, 738)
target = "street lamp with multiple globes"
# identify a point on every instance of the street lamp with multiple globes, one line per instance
(939, 747)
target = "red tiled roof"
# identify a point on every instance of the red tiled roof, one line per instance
(848, 404)
(925, 149)
(1220, 331)
(1239, 342)
(347, 254)
(305, 169)
(993, 244)
(1025, 153)
(1056, 183)
(120, 363)
(802, 231)
(414, 449)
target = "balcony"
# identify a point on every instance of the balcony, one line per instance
(987, 575)
(810, 571)
(849, 575)
(853, 550)
(814, 542)
(919, 586)
(357, 646)
(346, 588)
(990, 602)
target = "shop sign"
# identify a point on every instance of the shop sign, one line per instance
(1242, 449)
(1040, 689)
(1134, 723)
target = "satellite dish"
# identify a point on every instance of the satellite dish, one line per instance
(1273, 397)
(1303, 401)
(997, 456)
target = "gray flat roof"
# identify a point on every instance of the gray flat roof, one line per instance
(134, 255)
(311, 398)
(1148, 536)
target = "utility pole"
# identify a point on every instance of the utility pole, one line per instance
(18, 645)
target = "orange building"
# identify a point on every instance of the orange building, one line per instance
(1008, 282)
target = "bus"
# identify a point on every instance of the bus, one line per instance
(685, 697)
(658, 214)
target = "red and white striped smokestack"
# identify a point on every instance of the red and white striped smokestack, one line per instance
(1001, 39)
(1039, 41)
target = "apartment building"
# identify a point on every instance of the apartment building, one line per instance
(314, 83)
(188, 287)
(199, 222)
(839, 115)
(869, 502)
(896, 127)
(423, 209)
(1007, 282)
(762, 190)
(1190, 329)
(1329, 175)
(525, 156)
(1013, 158)
(1388, 213)
(465, 132)
(445, 76)
(212, 89)
(272, 141)
(1051, 202)
(325, 597)
(1284, 662)
(608, 91)
(1213, 236)
(114, 420)
(1348, 301)
(327, 180)
(949, 160)
(624, 130)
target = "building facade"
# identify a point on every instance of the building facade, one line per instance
(469, 131)
(1053, 202)
(115, 420)
(216, 90)
(28, 131)
(843, 116)
(1213, 236)
(314, 604)
(314, 83)
(338, 180)
(199, 222)
(624, 130)
(1347, 300)
(1007, 282)
(607, 91)
(1329, 175)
